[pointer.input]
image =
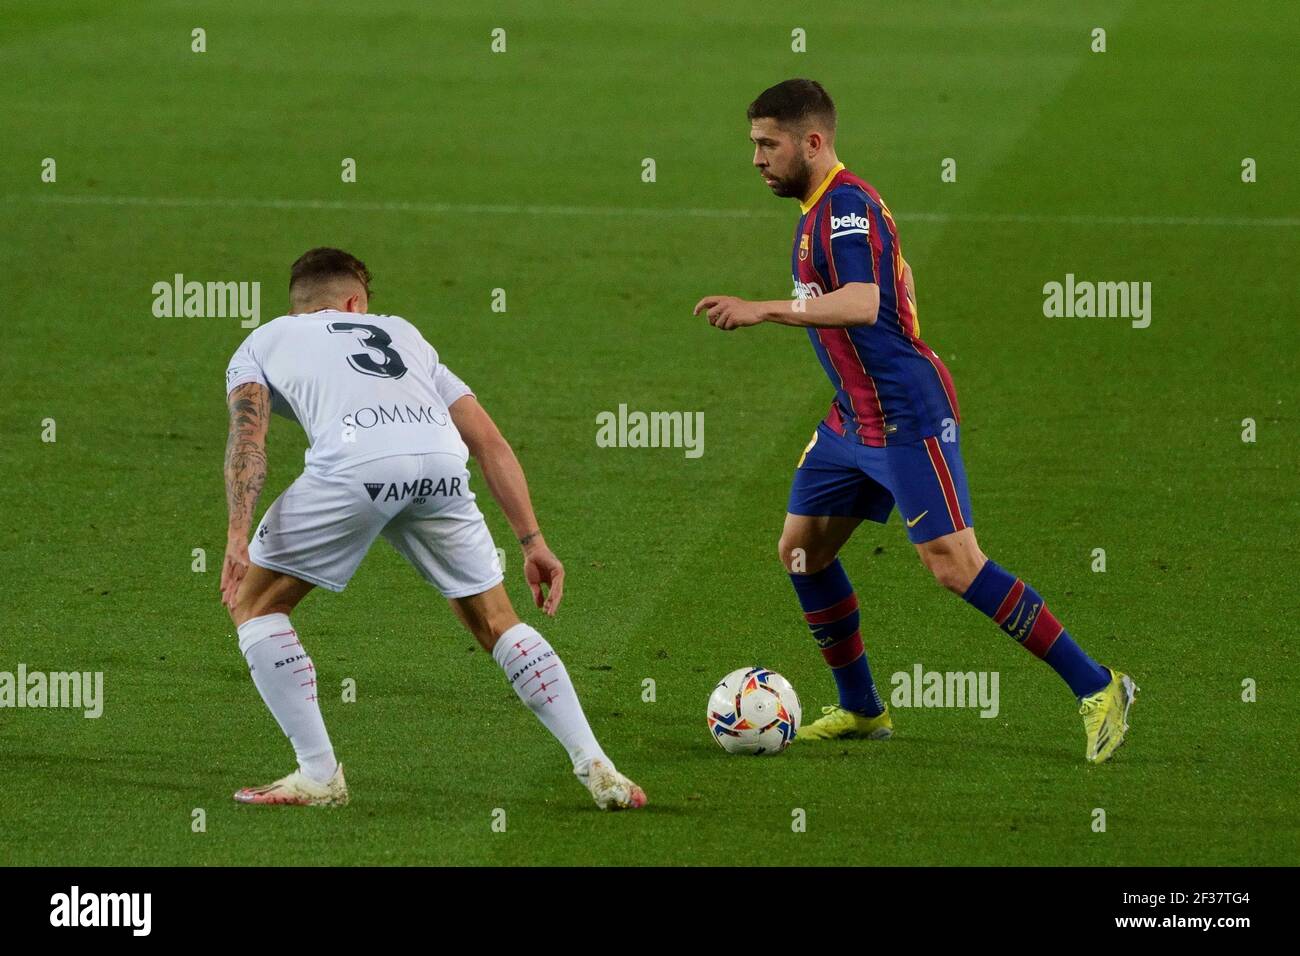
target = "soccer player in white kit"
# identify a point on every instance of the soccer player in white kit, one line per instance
(391, 429)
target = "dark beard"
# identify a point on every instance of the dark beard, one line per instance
(795, 186)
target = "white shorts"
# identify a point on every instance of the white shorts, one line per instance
(321, 527)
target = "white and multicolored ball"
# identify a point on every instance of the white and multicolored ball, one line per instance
(754, 711)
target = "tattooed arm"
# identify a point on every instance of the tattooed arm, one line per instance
(250, 410)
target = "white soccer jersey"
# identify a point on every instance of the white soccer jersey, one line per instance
(362, 387)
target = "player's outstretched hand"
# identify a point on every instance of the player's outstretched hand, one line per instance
(543, 570)
(233, 569)
(728, 312)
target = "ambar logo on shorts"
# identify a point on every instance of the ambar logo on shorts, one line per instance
(419, 490)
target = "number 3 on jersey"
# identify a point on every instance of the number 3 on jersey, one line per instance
(377, 340)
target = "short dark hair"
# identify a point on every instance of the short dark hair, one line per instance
(323, 264)
(794, 103)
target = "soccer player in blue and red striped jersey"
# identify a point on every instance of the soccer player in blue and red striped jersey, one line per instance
(892, 435)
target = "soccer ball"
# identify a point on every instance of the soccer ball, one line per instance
(754, 711)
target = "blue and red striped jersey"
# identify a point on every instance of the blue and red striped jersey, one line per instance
(889, 385)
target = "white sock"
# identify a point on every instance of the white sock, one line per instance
(539, 677)
(286, 679)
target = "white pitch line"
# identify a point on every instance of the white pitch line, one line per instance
(432, 208)
(446, 208)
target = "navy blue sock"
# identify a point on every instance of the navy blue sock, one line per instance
(831, 609)
(1017, 608)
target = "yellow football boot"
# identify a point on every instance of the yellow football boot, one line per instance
(1105, 716)
(836, 723)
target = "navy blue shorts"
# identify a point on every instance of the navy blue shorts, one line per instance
(925, 479)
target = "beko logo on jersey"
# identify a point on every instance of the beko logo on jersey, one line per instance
(396, 414)
(806, 290)
(852, 222)
(421, 489)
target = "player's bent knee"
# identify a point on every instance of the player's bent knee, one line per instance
(487, 615)
(487, 631)
(953, 578)
(954, 572)
(953, 561)
(797, 558)
(246, 610)
(265, 592)
(498, 624)
(247, 606)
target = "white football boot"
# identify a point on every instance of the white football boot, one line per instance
(609, 788)
(299, 790)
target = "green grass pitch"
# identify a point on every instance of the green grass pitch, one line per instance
(522, 171)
